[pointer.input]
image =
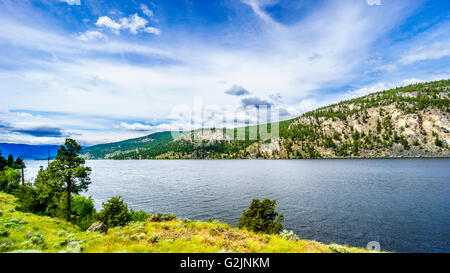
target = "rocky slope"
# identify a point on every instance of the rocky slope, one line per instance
(411, 121)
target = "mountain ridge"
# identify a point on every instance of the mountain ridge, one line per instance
(410, 121)
(28, 151)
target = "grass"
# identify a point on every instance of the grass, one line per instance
(26, 232)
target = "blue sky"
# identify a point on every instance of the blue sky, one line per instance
(102, 71)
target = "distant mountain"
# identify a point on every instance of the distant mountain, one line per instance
(148, 143)
(28, 151)
(410, 121)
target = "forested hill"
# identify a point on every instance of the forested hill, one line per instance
(29, 151)
(411, 121)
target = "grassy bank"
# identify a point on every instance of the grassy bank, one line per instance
(32, 233)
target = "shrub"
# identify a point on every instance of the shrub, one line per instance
(4, 233)
(262, 217)
(404, 142)
(6, 245)
(154, 218)
(338, 248)
(213, 231)
(37, 239)
(154, 238)
(138, 216)
(169, 216)
(289, 235)
(28, 200)
(9, 180)
(159, 217)
(83, 211)
(437, 142)
(114, 213)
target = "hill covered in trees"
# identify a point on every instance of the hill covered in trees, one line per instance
(410, 121)
(29, 151)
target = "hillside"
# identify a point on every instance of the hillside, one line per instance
(26, 232)
(29, 151)
(411, 121)
(113, 150)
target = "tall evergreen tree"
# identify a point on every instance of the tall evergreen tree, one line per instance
(2, 161)
(10, 161)
(19, 164)
(70, 171)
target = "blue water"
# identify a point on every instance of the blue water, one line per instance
(404, 204)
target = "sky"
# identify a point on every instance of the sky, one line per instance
(102, 71)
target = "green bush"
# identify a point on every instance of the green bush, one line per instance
(289, 235)
(262, 217)
(138, 216)
(114, 213)
(28, 200)
(438, 142)
(83, 211)
(4, 233)
(404, 142)
(169, 216)
(338, 248)
(160, 217)
(154, 238)
(37, 239)
(6, 244)
(9, 180)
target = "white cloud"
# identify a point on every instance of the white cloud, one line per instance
(134, 23)
(258, 8)
(135, 126)
(152, 30)
(382, 86)
(105, 21)
(72, 2)
(431, 45)
(373, 2)
(425, 52)
(148, 12)
(91, 36)
(27, 37)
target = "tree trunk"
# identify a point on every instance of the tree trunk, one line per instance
(69, 189)
(23, 177)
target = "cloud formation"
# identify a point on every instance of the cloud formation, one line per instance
(135, 127)
(432, 51)
(72, 2)
(44, 131)
(148, 12)
(237, 90)
(91, 35)
(258, 8)
(373, 2)
(134, 23)
(255, 102)
(35, 131)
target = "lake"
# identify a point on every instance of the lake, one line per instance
(404, 204)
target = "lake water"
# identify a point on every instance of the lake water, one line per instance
(404, 204)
